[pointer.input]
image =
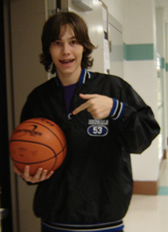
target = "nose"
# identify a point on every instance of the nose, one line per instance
(66, 49)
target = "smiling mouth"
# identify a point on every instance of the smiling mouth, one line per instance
(66, 61)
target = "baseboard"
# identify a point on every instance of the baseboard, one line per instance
(165, 154)
(148, 187)
(145, 187)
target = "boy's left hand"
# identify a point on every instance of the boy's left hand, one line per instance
(99, 106)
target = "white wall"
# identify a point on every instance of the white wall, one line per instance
(116, 9)
(166, 37)
(139, 27)
(139, 23)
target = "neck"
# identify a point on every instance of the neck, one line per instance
(69, 79)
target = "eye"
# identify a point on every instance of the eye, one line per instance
(73, 42)
(56, 43)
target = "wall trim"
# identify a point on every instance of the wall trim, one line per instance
(166, 67)
(162, 61)
(139, 52)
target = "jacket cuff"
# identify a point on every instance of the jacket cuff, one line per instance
(117, 109)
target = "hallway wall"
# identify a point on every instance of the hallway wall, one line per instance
(140, 71)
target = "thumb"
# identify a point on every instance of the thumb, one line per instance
(87, 96)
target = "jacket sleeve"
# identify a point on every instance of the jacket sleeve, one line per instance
(136, 122)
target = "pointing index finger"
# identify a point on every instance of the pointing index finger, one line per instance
(84, 105)
(81, 108)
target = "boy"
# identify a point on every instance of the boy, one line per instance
(104, 120)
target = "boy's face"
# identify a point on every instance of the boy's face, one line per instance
(66, 54)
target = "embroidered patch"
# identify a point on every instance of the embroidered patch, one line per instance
(97, 130)
(97, 127)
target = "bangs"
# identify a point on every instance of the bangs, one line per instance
(78, 26)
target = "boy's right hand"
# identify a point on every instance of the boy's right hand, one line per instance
(39, 176)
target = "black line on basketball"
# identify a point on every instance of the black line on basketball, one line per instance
(55, 154)
(45, 127)
(35, 162)
(55, 161)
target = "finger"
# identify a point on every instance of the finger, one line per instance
(43, 175)
(26, 171)
(81, 108)
(35, 178)
(49, 175)
(38, 174)
(87, 96)
(25, 175)
(86, 104)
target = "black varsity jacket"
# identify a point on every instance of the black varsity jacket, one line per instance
(94, 183)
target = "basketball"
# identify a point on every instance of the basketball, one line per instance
(38, 143)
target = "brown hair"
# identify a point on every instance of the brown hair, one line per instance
(51, 32)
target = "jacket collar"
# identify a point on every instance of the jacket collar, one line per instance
(85, 74)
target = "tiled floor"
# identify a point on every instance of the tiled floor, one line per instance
(150, 213)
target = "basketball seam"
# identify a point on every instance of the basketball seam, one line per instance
(33, 162)
(55, 154)
(48, 129)
(41, 161)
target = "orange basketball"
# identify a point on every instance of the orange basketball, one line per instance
(37, 142)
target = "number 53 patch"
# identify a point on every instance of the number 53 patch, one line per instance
(97, 130)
